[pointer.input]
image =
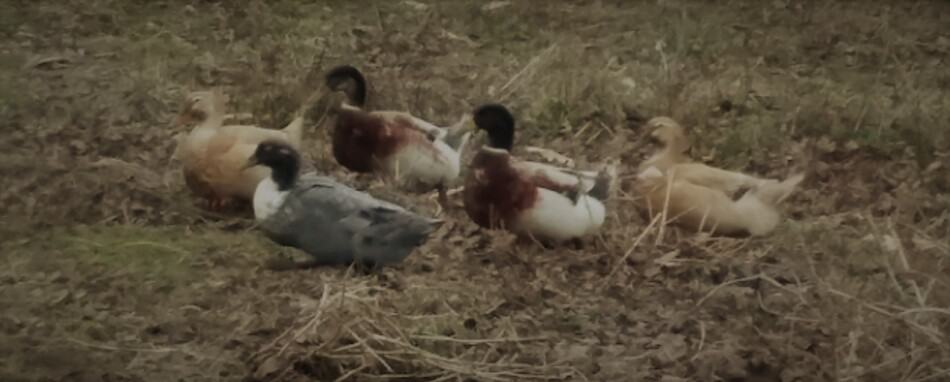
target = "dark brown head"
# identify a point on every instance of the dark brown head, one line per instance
(338, 77)
(498, 122)
(281, 158)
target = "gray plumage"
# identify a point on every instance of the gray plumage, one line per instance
(338, 225)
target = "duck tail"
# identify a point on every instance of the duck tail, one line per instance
(391, 235)
(339, 75)
(759, 216)
(603, 184)
(458, 135)
(774, 192)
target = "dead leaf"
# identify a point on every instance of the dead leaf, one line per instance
(550, 156)
(826, 145)
(270, 366)
(416, 5)
(671, 347)
(668, 259)
(495, 5)
(924, 243)
(48, 62)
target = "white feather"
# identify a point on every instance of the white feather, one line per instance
(556, 217)
(415, 165)
(429, 128)
(759, 217)
(562, 176)
(267, 199)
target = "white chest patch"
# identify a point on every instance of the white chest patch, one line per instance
(267, 199)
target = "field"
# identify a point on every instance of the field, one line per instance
(110, 272)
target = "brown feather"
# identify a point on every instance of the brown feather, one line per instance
(364, 141)
(495, 193)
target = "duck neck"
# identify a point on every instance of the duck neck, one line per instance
(677, 154)
(501, 137)
(214, 120)
(342, 73)
(359, 90)
(284, 173)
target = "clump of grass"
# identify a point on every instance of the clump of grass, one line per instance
(357, 338)
(160, 253)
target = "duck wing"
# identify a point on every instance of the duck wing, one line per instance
(405, 120)
(729, 182)
(338, 225)
(385, 236)
(255, 134)
(555, 178)
(314, 231)
(332, 192)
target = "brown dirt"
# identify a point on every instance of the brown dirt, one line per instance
(111, 273)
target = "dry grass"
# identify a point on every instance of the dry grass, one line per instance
(111, 272)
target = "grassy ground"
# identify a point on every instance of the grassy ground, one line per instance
(110, 273)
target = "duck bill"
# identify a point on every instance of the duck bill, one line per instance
(251, 162)
(182, 119)
(186, 117)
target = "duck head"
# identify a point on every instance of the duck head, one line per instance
(201, 106)
(339, 77)
(498, 123)
(668, 133)
(281, 158)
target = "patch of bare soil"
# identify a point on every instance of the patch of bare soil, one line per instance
(110, 271)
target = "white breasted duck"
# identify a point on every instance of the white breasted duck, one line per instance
(705, 208)
(213, 154)
(420, 156)
(333, 223)
(529, 198)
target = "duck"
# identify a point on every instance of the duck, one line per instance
(213, 154)
(333, 223)
(675, 146)
(705, 208)
(674, 154)
(704, 198)
(417, 154)
(531, 199)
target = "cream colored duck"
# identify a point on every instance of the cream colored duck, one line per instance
(700, 197)
(214, 154)
(706, 209)
(674, 153)
(530, 199)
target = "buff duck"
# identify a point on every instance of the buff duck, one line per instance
(705, 208)
(705, 198)
(213, 154)
(674, 152)
(418, 155)
(530, 199)
(333, 223)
